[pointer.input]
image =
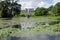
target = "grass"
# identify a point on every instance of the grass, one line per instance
(9, 31)
(46, 16)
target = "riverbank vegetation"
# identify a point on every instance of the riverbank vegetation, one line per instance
(30, 31)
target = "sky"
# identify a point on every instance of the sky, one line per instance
(37, 3)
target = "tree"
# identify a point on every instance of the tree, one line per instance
(55, 10)
(41, 11)
(58, 8)
(49, 9)
(10, 8)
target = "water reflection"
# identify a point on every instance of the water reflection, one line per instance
(37, 37)
(16, 26)
(25, 22)
(33, 22)
(13, 38)
(52, 37)
(57, 37)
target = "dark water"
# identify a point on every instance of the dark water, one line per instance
(37, 37)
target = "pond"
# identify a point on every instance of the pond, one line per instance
(25, 22)
(36, 37)
(34, 22)
(31, 22)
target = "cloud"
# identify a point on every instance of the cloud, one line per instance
(55, 1)
(44, 4)
(29, 3)
(26, 4)
(35, 3)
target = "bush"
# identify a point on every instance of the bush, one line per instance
(22, 15)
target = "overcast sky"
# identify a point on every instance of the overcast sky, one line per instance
(37, 3)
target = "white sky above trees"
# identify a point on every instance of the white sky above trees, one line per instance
(37, 3)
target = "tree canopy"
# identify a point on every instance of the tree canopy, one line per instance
(41, 11)
(52, 10)
(10, 8)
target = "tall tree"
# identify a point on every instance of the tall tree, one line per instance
(10, 8)
(55, 10)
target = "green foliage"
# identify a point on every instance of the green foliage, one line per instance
(9, 31)
(9, 9)
(49, 9)
(52, 10)
(41, 11)
(23, 14)
(55, 10)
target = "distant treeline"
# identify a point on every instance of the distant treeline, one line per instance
(9, 8)
(53, 10)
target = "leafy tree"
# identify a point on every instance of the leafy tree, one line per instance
(41, 11)
(10, 8)
(49, 9)
(58, 8)
(55, 10)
